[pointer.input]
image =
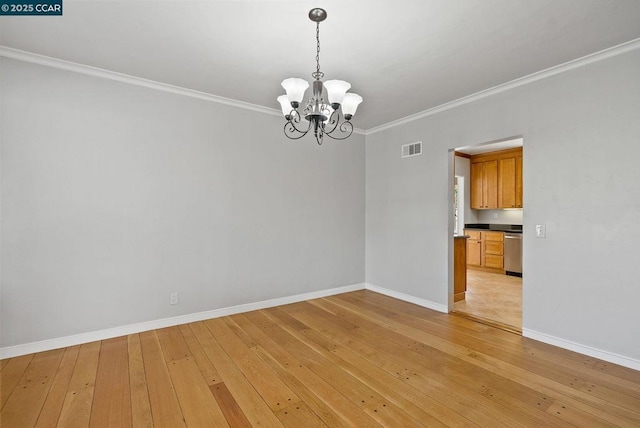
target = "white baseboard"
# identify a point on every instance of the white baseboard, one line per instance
(77, 339)
(407, 298)
(582, 349)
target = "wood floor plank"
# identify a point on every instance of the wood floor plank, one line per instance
(76, 409)
(273, 390)
(165, 408)
(11, 374)
(299, 415)
(333, 407)
(112, 395)
(209, 372)
(192, 390)
(140, 405)
(174, 347)
(199, 406)
(230, 407)
(255, 408)
(23, 406)
(55, 399)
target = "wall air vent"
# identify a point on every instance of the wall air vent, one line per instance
(413, 149)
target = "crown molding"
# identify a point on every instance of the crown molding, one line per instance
(126, 78)
(48, 61)
(133, 80)
(534, 77)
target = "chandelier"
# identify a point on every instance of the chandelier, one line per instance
(322, 116)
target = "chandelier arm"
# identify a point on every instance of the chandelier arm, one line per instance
(290, 129)
(345, 126)
(296, 118)
(334, 119)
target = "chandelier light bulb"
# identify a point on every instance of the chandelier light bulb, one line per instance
(336, 89)
(285, 105)
(295, 88)
(350, 105)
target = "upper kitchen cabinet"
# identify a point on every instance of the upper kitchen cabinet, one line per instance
(507, 183)
(519, 180)
(484, 184)
(496, 179)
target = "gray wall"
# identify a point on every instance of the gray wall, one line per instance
(114, 195)
(581, 179)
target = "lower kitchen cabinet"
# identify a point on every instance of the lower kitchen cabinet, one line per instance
(493, 249)
(474, 247)
(485, 250)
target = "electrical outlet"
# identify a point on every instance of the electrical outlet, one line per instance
(174, 298)
(541, 231)
(495, 216)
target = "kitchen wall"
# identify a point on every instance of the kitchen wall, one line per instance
(581, 131)
(499, 216)
(114, 195)
(462, 168)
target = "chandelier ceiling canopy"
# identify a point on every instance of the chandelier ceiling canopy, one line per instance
(330, 116)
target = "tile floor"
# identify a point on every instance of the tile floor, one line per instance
(493, 297)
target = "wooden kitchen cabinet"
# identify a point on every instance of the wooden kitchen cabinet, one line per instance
(459, 268)
(474, 248)
(485, 250)
(493, 249)
(496, 180)
(507, 183)
(519, 181)
(484, 185)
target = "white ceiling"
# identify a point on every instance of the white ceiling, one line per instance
(492, 147)
(402, 56)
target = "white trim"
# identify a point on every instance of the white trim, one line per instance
(521, 81)
(582, 349)
(125, 78)
(407, 298)
(77, 339)
(61, 64)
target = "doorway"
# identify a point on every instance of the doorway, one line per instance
(487, 211)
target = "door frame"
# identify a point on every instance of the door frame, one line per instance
(451, 220)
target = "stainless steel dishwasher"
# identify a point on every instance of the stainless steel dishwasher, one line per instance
(513, 253)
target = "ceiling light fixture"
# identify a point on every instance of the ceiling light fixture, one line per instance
(323, 117)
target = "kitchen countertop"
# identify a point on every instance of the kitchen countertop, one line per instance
(513, 228)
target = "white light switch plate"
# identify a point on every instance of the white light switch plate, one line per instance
(541, 231)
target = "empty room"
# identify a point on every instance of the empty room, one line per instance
(329, 213)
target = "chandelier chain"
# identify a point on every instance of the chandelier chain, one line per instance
(318, 74)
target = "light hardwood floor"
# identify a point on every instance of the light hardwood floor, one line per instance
(357, 359)
(493, 297)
